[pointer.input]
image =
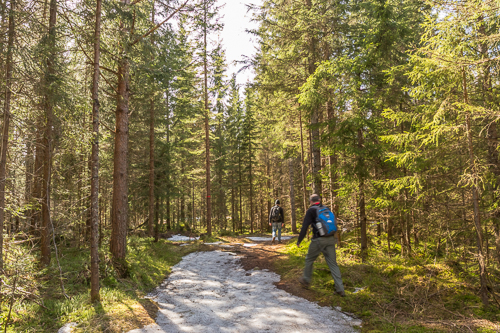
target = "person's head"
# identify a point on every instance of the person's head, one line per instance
(314, 199)
(277, 202)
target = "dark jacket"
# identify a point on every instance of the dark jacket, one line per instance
(282, 214)
(310, 219)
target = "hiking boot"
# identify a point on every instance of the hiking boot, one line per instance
(340, 293)
(304, 283)
(272, 242)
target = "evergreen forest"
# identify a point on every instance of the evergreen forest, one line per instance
(122, 125)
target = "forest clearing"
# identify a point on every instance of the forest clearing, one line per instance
(129, 125)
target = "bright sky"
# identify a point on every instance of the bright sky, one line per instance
(235, 40)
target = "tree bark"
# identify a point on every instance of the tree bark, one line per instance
(332, 159)
(292, 199)
(302, 165)
(94, 184)
(168, 160)
(118, 241)
(6, 120)
(207, 114)
(47, 139)
(239, 190)
(151, 166)
(362, 210)
(251, 182)
(152, 146)
(233, 215)
(315, 140)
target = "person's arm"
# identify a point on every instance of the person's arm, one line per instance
(308, 219)
(282, 212)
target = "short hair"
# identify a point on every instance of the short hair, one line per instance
(315, 198)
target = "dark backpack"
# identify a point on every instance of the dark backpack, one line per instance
(326, 223)
(275, 214)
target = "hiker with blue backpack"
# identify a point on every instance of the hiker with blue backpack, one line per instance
(323, 241)
(276, 220)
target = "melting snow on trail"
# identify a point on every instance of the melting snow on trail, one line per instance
(211, 292)
(178, 238)
(265, 239)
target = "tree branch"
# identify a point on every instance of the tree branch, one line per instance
(159, 24)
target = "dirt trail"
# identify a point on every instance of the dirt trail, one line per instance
(212, 292)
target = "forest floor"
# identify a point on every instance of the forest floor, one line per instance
(389, 293)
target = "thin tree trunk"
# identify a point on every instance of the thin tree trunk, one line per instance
(332, 159)
(362, 213)
(47, 140)
(292, 199)
(94, 183)
(233, 216)
(475, 201)
(251, 185)
(302, 164)
(239, 190)
(151, 167)
(314, 136)
(207, 133)
(152, 148)
(6, 120)
(157, 222)
(168, 161)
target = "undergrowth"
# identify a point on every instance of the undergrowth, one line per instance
(122, 305)
(421, 293)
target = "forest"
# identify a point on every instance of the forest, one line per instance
(121, 126)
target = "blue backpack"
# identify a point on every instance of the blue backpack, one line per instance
(326, 222)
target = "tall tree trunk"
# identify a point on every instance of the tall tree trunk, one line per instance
(239, 190)
(332, 159)
(268, 197)
(6, 120)
(168, 161)
(233, 213)
(475, 200)
(152, 146)
(151, 166)
(315, 142)
(207, 114)
(251, 184)
(47, 140)
(118, 241)
(94, 183)
(362, 210)
(182, 198)
(157, 222)
(292, 198)
(302, 165)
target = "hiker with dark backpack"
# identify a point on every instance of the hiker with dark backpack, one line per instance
(276, 220)
(323, 241)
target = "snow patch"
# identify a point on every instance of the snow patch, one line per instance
(180, 238)
(265, 239)
(249, 245)
(68, 328)
(210, 292)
